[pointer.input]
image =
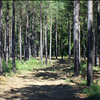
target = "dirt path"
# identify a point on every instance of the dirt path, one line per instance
(51, 83)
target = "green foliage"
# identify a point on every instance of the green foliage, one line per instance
(93, 90)
(54, 69)
(83, 68)
(28, 65)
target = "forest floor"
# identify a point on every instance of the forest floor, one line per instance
(51, 83)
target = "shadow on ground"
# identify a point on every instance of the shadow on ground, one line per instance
(37, 92)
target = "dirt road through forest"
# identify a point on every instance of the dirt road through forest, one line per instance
(50, 83)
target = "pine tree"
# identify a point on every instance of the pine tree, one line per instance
(13, 40)
(1, 14)
(89, 62)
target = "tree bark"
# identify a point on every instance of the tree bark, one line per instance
(76, 39)
(1, 21)
(17, 37)
(98, 34)
(69, 38)
(13, 40)
(61, 40)
(7, 34)
(20, 36)
(27, 37)
(89, 62)
(50, 37)
(56, 38)
(46, 54)
(41, 49)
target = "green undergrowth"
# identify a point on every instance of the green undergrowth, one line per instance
(93, 91)
(29, 65)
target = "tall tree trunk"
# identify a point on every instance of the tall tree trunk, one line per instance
(37, 44)
(7, 34)
(89, 62)
(43, 35)
(5, 44)
(76, 39)
(20, 36)
(41, 49)
(1, 21)
(24, 42)
(74, 32)
(59, 43)
(79, 36)
(17, 37)
(61, 40)
(50, 37)
(98, 34)
(46, 38)
(56, 38)
(94, 37)
(10, 42)
(32, 41)
(69, 38)
(27, 37)
(13, 40)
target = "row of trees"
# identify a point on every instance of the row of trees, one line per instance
(29, 28)
(92, 43)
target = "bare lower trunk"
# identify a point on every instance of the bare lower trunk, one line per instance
(50, 37)
(41, 49)
(61, 40)
(76, 39)
(89, 62)
(56, 38)
(7, 34)
(1, 14)
(13, 40)
(20, 36)
(46, 38)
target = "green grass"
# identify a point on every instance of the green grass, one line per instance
(67, 80)
(93, 91)
(54, 70)
(28, 65)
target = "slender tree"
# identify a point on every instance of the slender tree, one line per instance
(69, 38)
(98, 33)
(46, 37)
(50, 36)
(79, 35)
(20, 36)
(41, 53)
(61, 40)
(56, 38)
(76, 39)
(17, 36)
(1, 15)
(27, 36)
(13, 40)
(89, 62)
(7, 34)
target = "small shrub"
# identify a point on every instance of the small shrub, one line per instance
(93, 90)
